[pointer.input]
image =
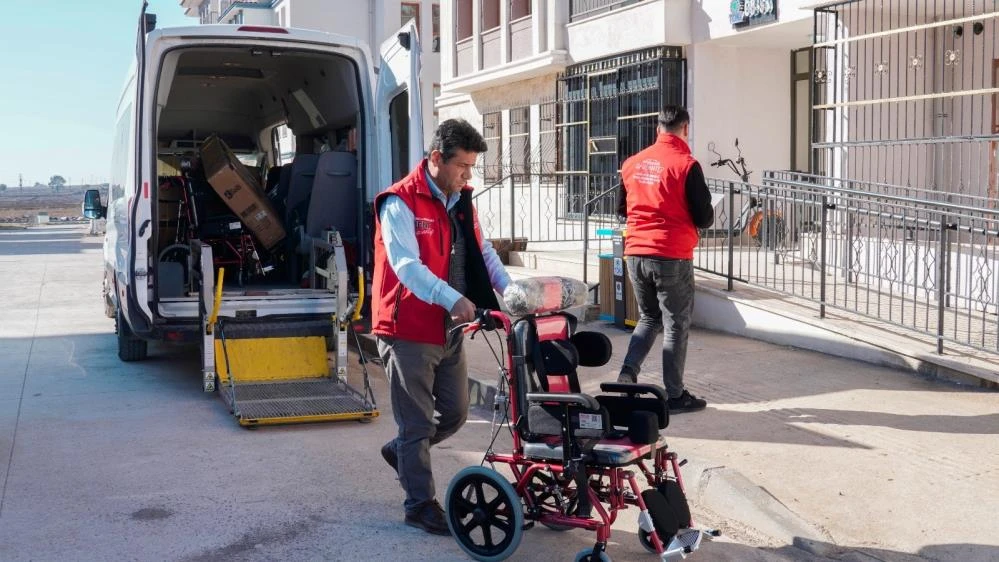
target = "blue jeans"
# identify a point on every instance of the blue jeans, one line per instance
(664, 289)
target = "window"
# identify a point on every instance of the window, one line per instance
(490, 14)
(463, 19)
(520, 140)
(492, 131)
(399, 129)
(519, 9)
(435, 22)
(410, 11)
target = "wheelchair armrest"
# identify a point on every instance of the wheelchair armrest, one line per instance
(634, 388)
(583, 400)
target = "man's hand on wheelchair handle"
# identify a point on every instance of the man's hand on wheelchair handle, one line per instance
(463, 311)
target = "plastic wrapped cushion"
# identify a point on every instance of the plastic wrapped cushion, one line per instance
(536, 295)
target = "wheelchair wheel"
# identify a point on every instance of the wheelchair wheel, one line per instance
(484, 513)
(586, 555)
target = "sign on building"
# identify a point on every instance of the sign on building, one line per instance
(745, 13)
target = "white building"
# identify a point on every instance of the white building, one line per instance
(373, 21)
(572, 87)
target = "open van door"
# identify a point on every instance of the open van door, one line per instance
(399, 108)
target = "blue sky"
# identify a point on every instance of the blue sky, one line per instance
(62, 65)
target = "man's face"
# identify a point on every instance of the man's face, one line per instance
(452, 175)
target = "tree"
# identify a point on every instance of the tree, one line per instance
(3, 187)
(57, 182)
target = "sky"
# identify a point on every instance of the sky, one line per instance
(62, 66)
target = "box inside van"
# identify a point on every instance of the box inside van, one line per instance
(255, 131)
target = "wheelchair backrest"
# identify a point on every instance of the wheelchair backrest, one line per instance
(547, 350)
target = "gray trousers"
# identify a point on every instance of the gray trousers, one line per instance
(664, 290)
(423, 378)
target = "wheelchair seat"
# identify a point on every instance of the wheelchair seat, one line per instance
(607, 452)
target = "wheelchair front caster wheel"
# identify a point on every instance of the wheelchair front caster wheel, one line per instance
(484, 513)
(586, 555)
(645, 538)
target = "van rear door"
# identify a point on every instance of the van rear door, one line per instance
(399, 108)
(135, 305)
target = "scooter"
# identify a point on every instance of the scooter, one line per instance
(766, 228)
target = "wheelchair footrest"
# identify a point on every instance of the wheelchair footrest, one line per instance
(683, 543)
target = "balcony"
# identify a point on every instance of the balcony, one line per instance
(582, 9)
(227, 4)
(492, 54)
(509, 43)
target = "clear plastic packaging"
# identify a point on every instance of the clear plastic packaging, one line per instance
(535, 295)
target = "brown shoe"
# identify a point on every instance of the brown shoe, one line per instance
(429, 517)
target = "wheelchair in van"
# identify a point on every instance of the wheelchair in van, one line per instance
(577, 460)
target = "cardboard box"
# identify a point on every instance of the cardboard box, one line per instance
(241, 192)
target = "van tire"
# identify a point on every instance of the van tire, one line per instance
(130, 348)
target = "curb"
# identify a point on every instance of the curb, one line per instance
(724, 312)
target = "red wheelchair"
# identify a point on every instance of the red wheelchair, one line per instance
(577, 460)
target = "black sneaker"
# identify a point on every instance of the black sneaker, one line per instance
(429, 517)
(388, 453)
(686, 402)
(627, 377)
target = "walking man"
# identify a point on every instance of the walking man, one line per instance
(432, 270)
(666, 200)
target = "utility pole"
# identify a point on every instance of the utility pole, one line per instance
(20, 181)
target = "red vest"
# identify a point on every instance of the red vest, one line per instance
(655, 180)
(396, 312)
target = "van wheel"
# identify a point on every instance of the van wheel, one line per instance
(130, 348)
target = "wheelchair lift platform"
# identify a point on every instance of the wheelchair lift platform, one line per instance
(271, 363)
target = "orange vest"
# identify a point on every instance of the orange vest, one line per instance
(395, 310)
(655, 181)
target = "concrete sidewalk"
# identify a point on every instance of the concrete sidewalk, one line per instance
(841, 458)
(104, 460)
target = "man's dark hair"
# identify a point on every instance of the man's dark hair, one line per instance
(453, 134)
(673, 118)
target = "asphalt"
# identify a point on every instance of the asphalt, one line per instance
(800, 456)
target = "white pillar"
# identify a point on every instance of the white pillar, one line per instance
(448, 53)
(504, 31)
(538, 17)
(476, 35)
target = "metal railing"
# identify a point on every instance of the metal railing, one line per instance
(580, 9)
(548, 207)
(919, 264)
(888, 253)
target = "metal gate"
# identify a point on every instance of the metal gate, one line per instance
(906, 93)
(607, 112)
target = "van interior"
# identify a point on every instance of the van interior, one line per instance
(291, 118)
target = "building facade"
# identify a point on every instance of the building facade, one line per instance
(569, 89)
(872, 91)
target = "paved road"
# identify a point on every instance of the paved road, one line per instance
(102, 460)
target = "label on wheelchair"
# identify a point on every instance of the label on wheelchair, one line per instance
(590, 421)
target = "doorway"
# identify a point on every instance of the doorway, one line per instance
(801, 109)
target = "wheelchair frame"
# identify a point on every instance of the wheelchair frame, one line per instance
(544, 491)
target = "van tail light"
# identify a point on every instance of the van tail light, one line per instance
(262, 29)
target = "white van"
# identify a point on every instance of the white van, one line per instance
(357, 126)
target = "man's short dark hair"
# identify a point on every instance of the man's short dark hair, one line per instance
(673, 118)
(453, 134)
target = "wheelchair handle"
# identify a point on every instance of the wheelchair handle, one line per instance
(485, 319)
(633, 389)
(576, 398)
